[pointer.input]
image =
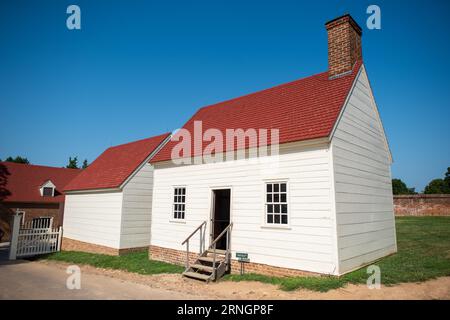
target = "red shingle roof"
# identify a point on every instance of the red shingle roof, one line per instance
(24, 181)
(303, 109)
(115, 165)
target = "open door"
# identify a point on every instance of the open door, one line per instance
(220, 216)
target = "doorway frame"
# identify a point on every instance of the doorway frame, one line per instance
(212, 207)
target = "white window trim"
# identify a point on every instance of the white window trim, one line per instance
(47, 184)
(264, 224)
(53, 191)
(172, 218)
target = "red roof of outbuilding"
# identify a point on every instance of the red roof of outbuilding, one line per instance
(303, 109)
(23, 181)
(115, 165)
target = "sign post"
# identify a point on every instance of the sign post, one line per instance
(242, 258)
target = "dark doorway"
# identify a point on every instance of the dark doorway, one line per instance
(220, 215)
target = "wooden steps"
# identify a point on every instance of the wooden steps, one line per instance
(218, 251)
(196, 275)
(211, 263)
(203, 267)
(210, 259)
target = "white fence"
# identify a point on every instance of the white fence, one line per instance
(33, 238)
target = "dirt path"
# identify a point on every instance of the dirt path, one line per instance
(182, 287)
(33, 280)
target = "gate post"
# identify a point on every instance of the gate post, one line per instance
(60, 230)
(14, 235)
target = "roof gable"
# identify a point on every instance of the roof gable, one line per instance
(113, 167)
(303, 109)
(362, 75)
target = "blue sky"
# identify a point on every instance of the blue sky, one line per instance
(140, 68)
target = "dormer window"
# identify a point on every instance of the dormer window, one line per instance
(48, 192)
(48, 189)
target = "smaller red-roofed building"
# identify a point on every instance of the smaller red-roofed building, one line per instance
(35, 190)
(108, 205)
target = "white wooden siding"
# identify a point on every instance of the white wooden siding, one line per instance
(308, 242)
(94, 218)
(363, 190)
(137, 208)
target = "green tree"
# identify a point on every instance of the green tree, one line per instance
(73, 163)
(85, 164)
(439, 186)
(18, 159)
(447, 178)
(436, 186)
(399, 187)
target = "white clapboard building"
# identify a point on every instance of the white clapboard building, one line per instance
(313, 194)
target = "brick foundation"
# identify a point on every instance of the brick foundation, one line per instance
(179, 257)
(75, 245)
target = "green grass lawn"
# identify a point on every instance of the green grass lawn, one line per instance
(136, 262)
(423, 253)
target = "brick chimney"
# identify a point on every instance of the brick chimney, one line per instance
(344, 45)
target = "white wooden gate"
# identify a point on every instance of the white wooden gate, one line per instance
(34, 238)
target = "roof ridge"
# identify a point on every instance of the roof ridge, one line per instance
(136, 141)
(36, 165)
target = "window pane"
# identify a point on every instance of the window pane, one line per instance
(284, 219)
(48, 192)
(183, 191)
(182, 207)
(270, 218)
(283, 187)
(182, 215)
(183, 199)
(276, 187)
(283, 197)
(277, 208)
(277, 218)
(270, 208)
(269, 187)
(284, 208)
(269, 197)
(276, 197)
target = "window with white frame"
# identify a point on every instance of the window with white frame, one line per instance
(179, 202)
(276, 203)
(48, 192)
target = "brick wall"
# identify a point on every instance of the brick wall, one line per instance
(422, 205)
(32, 210)
(36, 210)
(179, 257)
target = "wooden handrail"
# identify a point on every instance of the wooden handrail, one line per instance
(221, 234)
(190, 236)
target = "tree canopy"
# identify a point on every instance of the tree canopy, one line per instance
(73, 163)
(439, 186)
(17, 159)
(399, 187)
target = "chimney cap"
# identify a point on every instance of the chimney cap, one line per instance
(343, 19)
